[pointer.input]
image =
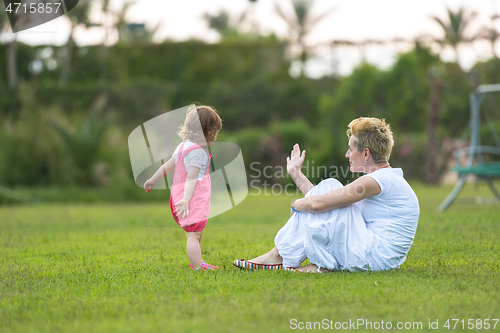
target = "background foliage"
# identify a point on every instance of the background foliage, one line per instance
(74, 134)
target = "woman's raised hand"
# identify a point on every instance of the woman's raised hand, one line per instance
(294, 162)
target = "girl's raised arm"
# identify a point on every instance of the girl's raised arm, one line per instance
(162, 172)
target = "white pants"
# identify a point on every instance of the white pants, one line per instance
(336, 239)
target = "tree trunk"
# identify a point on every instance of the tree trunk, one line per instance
(12, 63)
(103, 55)
(431, 174)
(66, 65)
(303, 61)
(493, 42)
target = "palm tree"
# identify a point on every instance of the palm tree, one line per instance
(131, 32)
(117, 17)
(223, 24)
(78, 15)
(110, 20)
(11, 52)
(12, 62)
(491, 34)
(136, 33)
(454, 36)
(431, 174)
(300, 24)
(454, 29)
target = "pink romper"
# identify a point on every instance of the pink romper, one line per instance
(199, 205)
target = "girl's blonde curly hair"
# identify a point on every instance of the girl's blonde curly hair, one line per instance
(209, 120)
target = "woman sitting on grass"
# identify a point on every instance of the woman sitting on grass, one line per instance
(368, 224)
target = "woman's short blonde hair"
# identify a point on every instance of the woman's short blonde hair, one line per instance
(374, 134)
(210, 122)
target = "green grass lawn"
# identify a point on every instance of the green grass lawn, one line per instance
(123, 268)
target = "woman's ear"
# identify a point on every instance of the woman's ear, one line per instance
(366, 153)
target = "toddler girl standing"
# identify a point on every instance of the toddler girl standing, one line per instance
(190, 193)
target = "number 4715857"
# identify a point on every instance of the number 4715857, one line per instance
(471, 323)
(33, 7)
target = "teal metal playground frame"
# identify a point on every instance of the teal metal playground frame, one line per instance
(476, 164)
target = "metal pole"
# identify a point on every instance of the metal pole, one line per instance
(473, 130)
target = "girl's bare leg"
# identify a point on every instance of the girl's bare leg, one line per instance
(270, 258)
(193, 248)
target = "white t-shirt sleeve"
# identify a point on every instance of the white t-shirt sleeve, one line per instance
(197, 158)
(175, 155)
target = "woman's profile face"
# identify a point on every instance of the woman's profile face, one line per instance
(356, 160)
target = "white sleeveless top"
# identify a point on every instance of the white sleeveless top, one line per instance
(392, 216)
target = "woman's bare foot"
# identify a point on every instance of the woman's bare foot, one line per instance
(270, 258)
(311, 268)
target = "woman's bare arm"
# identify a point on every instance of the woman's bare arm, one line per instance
(294, 165)
(302, 182)
(358, 190)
